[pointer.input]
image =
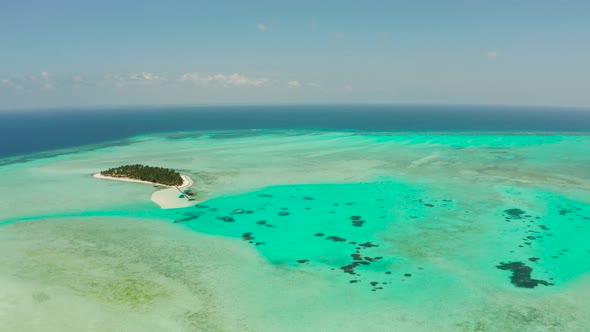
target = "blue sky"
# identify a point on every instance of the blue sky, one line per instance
(81, 53)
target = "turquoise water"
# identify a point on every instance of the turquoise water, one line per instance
(350, 230)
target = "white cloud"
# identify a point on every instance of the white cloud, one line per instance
(222, 80)
(192, 78)
(294, 84)
(78, 81)
(45, 80)
(116, 80)
(41, 80)
(239, 80)
(146, 77)
(261, 26)
(218, 78)
(236, 79)
(142, 78)
(11, 84)
(492, 54)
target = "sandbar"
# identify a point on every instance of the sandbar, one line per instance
(167, 197)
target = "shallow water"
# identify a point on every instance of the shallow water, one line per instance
(306, 230)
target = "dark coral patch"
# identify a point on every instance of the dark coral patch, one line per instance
(521, 275)
(186, 219)
(368, 245)
(356, 257)
(358, 223)
(514, 213)
(350, 268)
(335, 238)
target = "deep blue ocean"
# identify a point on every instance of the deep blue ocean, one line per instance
(23, 132)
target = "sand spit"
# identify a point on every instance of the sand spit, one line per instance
(166, 198)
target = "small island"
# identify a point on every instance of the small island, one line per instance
(173, 188)
(156, 175)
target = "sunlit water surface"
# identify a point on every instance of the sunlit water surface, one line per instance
(303, 231)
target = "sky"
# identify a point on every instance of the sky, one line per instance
(106, 53)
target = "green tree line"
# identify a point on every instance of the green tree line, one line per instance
(159, 175)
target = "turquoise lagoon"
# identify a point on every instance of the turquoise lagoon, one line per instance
(303, 231)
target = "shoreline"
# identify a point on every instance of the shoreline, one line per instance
(186, 180)
(166, 197)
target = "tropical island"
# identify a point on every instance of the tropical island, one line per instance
(156, 175)
(175, 192)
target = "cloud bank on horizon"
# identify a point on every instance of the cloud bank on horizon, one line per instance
(65, 53)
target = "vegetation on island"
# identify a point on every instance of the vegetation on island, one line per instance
(160, 175)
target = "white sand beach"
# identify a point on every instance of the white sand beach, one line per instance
(167, 197)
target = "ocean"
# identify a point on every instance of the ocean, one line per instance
(23, 132)
(310, 218)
